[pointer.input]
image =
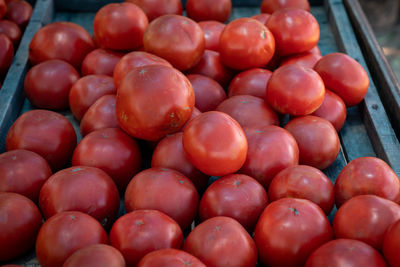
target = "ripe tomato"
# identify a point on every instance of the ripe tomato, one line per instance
(98, 255)
(289, 230)
(200, 10)
(221, 241)
(20, 221)
(391, 244)
(140, 232)
(250, 82)
(6, 54)
(100, 61)
(306, 59)
(263, 17)
(246, 43)
(23, 172)
(212, 31)
(155, 9)
(3, 8)
(169, 257)
(11, 30)
(270, 6)
(65, 233)
(215, 143)
(19, 11)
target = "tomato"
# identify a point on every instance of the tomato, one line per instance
(367, 176)
(250, 82)
(195, 113)
(155, 9)
(177, 39)
(305, 182)
(221, 241)
(263, 17)
(249, 111)
(306, 59)
(45, 132)
(318, 140)
(47, 84)
(366, 218)
(111, 150)
(140, 232)
(87, 90)
(271, 149)
(169, 257)
(289, 230)
(20, 221)
(295, 31)
(11, 30)
(23, 172)
(6, 54)
(3, 8)
(345, 252)
(391, 244)
(246, 43)
(212, 31)
(215, 143)
(344, 76)
(65, 233)
(98, 255)
(19, 11)
(333, 109)
(270, 6)
(152, 114)
(60, 40)
(100, 61)
(200, 10)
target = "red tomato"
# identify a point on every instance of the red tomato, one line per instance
(155, 9)
(271, 149)
(98, 255)
(195, 113)
(111, 150)
(367, 176)
(177, 39)
(249, 111)
(120, 26)
(263, 17)
(366, 218)
(152, 114)
(270, 6)
(23, 172)
(344, 76)
(305, 182)
(221, 241)
(289, 230)
(6, 54)
(345, 252)
(19, 11)
(391, 244)
(250, 82)
(295, 31)
(200, 10)
(20, 221)
(140, 232)
(48, 84)
(246, 43)
(87, 90)
(65, 233)
(100, 61)
(333, 109)
(229, 196)
(212, 31)
(11, 30)
(3, 8)
(318, 140)
(61, 40)
(306, 59)
(215, 143)
(45, 132)
(169, 257)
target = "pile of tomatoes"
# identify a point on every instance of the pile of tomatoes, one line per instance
(165, 102)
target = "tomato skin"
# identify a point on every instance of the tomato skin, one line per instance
(208, 242)
(246, 43)
(262, 17)
(218, 10)
(306, 59)
(100, 61)
(345, 252)
(140, 232)
(98, 255)
(152, 114)
(16, 173)
(11, 30)
(20, 221)
(212, 31)
(155, 9)
(46, 133)
(3, 8)
(391, 244)
(289, 230)
(169, 257)
(270, 6)
(250, 82)
(19, 12)
(6, 54)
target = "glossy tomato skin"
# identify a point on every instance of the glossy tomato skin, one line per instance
(170, 257)
(219, 151)
(246, 43)
(218, 10)
(61, 40)
(345, 252)
(391, 244)
(46, 133)
(229, 196)
(17, 175)
(289, 230)
(177, 39)
(100, 61)
(250, 82)
(48, 84)
(155, 9)
(270, 6)
(140, 232)
(111, 150)
(209, 243)
(20, 223)
(302, 181)
(366, 218)
(152, 114)
(6, 54)
(212, 31)
(20, 12)
(65, 233)
(98, 255)
(11, 30)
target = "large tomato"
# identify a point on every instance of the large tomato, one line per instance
(11, 30)
(98, 255)
(170, 257)
(155, 9)
(250, 82)
(391, 245)
(20, 12)
(200, 10)
(100, 61)
(212, 31)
